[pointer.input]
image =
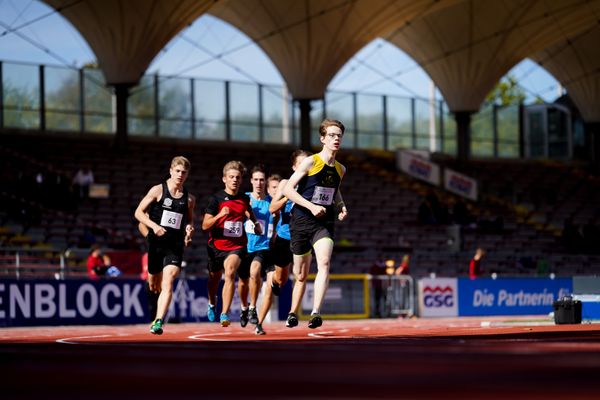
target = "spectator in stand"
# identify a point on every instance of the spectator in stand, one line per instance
(97, 263)
(378, 273)
(475, 263)
(403, 268)
(82, 181)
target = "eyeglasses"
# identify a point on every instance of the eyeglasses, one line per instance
(335, 135)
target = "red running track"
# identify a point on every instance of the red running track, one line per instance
(474, 358)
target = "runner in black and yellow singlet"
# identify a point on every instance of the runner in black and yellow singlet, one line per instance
(314, 188)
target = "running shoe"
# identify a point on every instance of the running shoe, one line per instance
(292, 320)
(259, 330)
(275, 289)
(211, 313)
(225, 321)
(244, 318)
(315, 321)
(157, 327)
(253, 316)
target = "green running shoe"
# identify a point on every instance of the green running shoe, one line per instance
(157, 327)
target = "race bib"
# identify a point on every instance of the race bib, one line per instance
(250, 226)
(171, 219)
(270, 233)
(232, 229)
(323, 195)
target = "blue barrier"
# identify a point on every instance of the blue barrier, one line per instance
(518, 296)
(116, 301)
(51, 302)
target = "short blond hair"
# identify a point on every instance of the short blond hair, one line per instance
(181, 160)
(237, 165)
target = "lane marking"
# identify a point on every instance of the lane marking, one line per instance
(73, 340)
(210, 336)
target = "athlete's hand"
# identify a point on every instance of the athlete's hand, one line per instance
(258, 229)
(224, 211)
(159, 230)
(343, 214)
(317, 211)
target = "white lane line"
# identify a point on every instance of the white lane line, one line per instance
(74, 340)
(331, 334)
(210, 336)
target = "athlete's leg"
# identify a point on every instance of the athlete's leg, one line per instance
(280, 275)
(323, 249)
(214, 277)
(267, 299)
(301, 267)
(243, 289)
(255, 281)
(154, 282)
(231, 264)
(170, 272)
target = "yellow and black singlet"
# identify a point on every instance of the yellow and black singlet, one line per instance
(320, 187)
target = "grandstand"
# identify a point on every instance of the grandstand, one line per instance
(383, 204)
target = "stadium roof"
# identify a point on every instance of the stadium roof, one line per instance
(465, 46)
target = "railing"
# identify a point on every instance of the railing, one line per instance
(25, 263)
(392, 296)
(50, 98)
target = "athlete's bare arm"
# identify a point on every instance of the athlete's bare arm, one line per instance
(189, 228)
(154, 194)
(290, 188)
(279, 200)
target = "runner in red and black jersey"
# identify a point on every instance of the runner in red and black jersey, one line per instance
(224, 220)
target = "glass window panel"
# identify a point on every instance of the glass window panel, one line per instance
(244, 132)
(399, 122)
(449, 144)
(276, 115)
(482, 133)
(99, 103)
(482, 148)
(508, 131)
(243, 102)
(175, 107)
(339, 106)
(370, 121)
(140, 108)
(63, 98)
(21, 95)
(210, 130)
(209, 102)
(422, 116)
(316, 117)
(176, 128)
(370, 113)
(370, 140)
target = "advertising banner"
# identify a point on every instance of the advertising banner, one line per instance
(460, 184)
(108, 302)
(519, 296)
(52, 302)
(419, 167)
(438, 297)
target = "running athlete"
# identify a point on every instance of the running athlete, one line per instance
(314, 188)
(224, 219)
(168, 211)
(277, 274)
(258, 256)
